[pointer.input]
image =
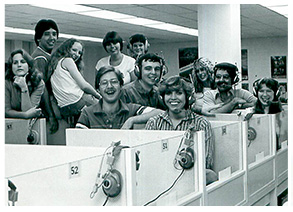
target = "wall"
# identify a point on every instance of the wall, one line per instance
(260, 51)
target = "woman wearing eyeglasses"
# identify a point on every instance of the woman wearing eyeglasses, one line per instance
(70, 89)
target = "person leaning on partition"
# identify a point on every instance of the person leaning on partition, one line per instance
(266, 91)
(70, 89)
(46, 35)
(23, 87)
(111, 112)
(231, 98)
(143, 91)
(202, 78)
(113, 44)
(176, 94)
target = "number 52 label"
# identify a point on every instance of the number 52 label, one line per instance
(74, 169)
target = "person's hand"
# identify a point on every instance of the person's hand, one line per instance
(20, 81)
(238, 101)
(33, 112)
(128, 124)
(53, 125)
(206, 111)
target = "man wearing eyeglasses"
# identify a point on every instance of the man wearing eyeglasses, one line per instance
(149, 70)
(111, 112)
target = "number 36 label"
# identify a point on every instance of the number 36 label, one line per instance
(74, 169)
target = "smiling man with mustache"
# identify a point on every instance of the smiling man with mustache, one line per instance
(230, 98)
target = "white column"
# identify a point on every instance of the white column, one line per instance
(219, 36)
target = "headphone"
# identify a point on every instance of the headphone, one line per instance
(137, 66)
(112, 178)
(185, 156)
(236, 79)
(33, 136)
(258, 82)
(146, 43)
(112, 184)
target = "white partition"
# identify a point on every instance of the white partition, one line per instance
(156, 173)
(229, 163)
(17, 131)
(43, 175)
(280, 136)
(266, 167)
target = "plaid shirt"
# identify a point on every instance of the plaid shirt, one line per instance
(163, 122)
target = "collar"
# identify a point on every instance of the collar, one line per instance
(141, 90)
(43, 51)
(98, 108)
(217, 93)
(165, 116)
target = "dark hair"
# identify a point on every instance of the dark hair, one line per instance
(174, 83)
(137, 38)
(34, 76)
(149, 57)
(105, 69)
(275, 106)
(112, 37)
(199, 64)
(230, 68)
(63, 51)
(42, 26)
(270, 83)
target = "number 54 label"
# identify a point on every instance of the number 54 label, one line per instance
(74, 169)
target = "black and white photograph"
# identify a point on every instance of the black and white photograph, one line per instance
(146, 103)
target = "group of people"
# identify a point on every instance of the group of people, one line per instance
(129, 89)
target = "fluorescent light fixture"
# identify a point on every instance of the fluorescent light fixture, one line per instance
(61, 35)
(281, 9)
(73, 8)
(120, 17)
(104, 14)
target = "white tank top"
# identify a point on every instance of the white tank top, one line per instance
(65, 88)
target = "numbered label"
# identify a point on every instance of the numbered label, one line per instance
(9, 126)
(74, 169)
(165, 145)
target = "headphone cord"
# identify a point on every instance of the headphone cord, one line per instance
(155, 199)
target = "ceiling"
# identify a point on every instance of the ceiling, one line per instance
(256, 21)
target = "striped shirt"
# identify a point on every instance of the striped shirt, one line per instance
(163, 122)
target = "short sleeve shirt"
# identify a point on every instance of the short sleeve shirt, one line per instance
(94, 117)
(125, 67)
(212, 97)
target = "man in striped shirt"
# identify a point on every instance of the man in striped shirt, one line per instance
(175, 93)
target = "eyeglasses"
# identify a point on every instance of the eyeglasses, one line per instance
(113, 82)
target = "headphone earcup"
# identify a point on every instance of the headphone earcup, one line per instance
(137, 71)
(146, 46)
(236, 79)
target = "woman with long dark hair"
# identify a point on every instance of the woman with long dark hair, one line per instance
(266, 91)
(24, 86)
